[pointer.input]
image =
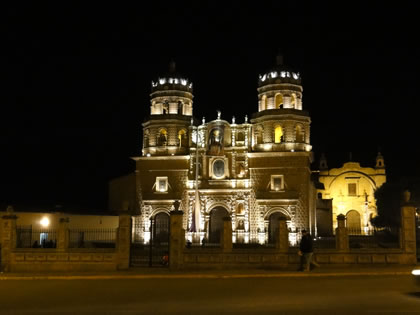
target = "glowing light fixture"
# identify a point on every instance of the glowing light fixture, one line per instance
(45, 222)
(416, 272)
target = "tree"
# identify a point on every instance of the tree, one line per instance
(389, 198)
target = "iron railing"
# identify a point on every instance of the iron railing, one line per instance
(374, 237)
(92, 238)
(28, 237)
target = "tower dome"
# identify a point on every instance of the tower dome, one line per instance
(279, 87)
(171, 94)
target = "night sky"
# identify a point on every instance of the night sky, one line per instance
(77, 79)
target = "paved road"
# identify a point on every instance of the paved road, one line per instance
(290, 295)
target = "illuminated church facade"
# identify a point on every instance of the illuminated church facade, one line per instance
(254, 171)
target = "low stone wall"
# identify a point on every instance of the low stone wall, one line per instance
(194, 259)
(372, 256)
(217, 259)
(63, 258)
(26, 260)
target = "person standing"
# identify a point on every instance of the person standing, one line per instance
(306, 250)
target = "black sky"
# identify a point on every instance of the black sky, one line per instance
(77, 82)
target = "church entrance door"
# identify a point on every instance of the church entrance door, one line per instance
(273, 227)
(216, 224)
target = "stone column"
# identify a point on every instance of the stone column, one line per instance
(341, 236)
(63, 235)
(8, 240)
(176, 241)
(408, 229)
(226, 237)
(282, 243)
(123, 242)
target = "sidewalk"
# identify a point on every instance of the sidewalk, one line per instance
(161, 273)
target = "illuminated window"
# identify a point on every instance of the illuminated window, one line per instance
(293, 100)
(277, 183)
(299, 134)
(161, 184)
(162, 137)
(278, 135)
(264, 102)
(279, 101)
(259, 135)
(146, 139)
(182, 138)
(351, 189)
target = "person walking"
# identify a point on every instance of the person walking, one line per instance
(306, 250)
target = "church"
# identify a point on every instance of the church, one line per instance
(254, 171)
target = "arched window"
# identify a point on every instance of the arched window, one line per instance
(165, 108)
(293, 100)
(162, 137)
(146, 139)
(259, 135)
(300, 136)
(264, 102)
(180, 108)
(278, 135)
(182, 138)
(279, 101)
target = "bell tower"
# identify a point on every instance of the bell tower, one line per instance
(281, 124)
(166, 132)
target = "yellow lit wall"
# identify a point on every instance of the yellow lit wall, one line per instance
(352, 187)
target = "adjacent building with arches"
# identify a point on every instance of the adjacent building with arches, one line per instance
(351, 190)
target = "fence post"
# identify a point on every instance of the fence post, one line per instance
(408, 229)
(8, 240)
(123, 242)
(227, 235)
(63, 235)
(282, 243)
(176, 240)
(341, 235)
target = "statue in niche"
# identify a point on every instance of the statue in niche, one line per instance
(216, 142)
(241, 225)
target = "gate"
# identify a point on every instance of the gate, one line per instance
(152, 253)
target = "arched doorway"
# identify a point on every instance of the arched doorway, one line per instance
(273, 226)
(161, 228)
(353, 221)
(216, 224)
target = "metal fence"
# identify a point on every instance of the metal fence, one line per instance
(325, 242)
(92, 238)
(374, 238)
(28, 237)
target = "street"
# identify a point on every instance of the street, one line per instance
(283, 295)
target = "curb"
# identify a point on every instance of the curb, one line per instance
(208, 276)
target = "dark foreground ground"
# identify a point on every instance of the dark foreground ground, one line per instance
(321, 294)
